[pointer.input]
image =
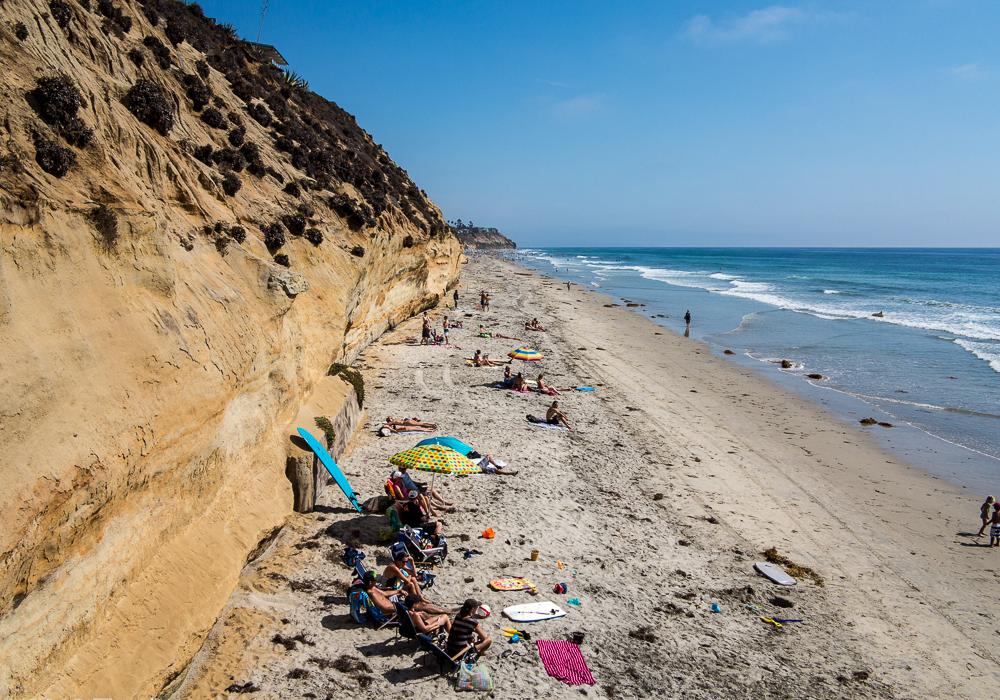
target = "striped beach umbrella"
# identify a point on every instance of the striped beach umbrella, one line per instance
(435, 458)
(525, 353)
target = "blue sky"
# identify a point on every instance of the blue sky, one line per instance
(670, 123)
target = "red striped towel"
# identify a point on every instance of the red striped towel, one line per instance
(564, 661)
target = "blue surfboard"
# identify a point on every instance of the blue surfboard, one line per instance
(317, 447)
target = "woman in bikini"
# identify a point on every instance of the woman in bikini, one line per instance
(986, 514)
(544, 388)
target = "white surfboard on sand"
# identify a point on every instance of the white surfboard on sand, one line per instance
(534, 612)
(775, 573)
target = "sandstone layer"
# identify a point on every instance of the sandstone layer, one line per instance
(155, 350)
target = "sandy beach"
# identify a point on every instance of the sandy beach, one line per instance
(681, 469)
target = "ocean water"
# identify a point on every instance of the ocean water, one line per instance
(929, 363)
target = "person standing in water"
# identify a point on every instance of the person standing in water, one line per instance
(687, 317)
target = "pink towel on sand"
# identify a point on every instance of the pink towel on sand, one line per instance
(564, 661)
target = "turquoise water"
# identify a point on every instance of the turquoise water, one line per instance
(930, 363)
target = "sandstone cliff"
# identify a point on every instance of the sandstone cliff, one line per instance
(169, 295)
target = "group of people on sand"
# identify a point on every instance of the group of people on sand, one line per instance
(484, 300)
(405, 425)
(533, 325)
(989, 514)
(462, 635)
(429, 336)
(517, 382)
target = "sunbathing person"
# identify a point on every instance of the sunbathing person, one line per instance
(544, 388)
(519, 384)
(400, 577)
(481, 360)
(467, 630)
(533, 325)
(425, 623)
(490, 465)
(409, 423)
(407, 484)
(483, 333)
(508, 378)
(556, 417)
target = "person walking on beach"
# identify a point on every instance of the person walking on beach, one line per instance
(687, 317)
(985, 514)
(995, 526)
(455, 297)
(425, 331)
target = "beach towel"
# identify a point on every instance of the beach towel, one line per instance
(563, 661)
(539, 423)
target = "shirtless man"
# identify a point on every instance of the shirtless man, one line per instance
(401, 578)
(425, 623)
(556, 417)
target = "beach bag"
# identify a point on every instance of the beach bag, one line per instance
(352, 556)
(474, 675)
(359, 605)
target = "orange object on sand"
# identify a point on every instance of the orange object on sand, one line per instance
(489, 534)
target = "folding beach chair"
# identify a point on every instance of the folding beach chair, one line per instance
(446, 663)
(413, 539)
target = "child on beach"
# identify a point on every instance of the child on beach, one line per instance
(985, 514)
(995, 526)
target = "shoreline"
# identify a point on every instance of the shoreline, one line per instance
(961, 464)
(683, 468)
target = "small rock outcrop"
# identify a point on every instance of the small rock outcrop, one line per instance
(480, 237)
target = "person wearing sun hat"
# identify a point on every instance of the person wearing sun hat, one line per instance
(467, 629)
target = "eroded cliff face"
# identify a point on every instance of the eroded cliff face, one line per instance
(150, 359)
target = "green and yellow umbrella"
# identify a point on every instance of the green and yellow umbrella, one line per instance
(525, 353)
(435, 458)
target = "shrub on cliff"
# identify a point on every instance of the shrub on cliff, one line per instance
(116, 20)
(282, 260)
(259, 113)
(175, 32)
(295, 224)
(202, 68)
(205, 154)
(274, 237)
(56, 100)
(53, 158)
(314, 236)
(236, 137)
(148, 102)
(351, 376)
(229, 159)
(292, 189)
(197, 92)
(159, 50)
(105, 222)
(135, 55)
(214, 118)
(237, 233)
(20, 31)
(61, 13)
(231, 184)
